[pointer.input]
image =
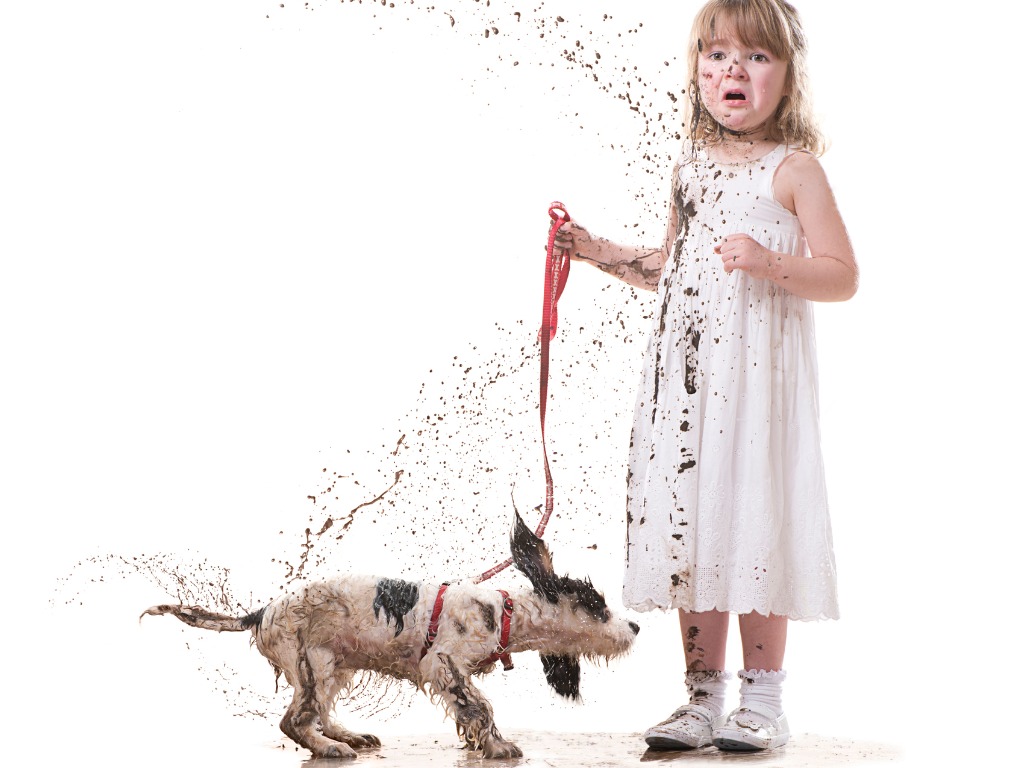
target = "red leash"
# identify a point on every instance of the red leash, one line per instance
(554, 283)
(555, 276)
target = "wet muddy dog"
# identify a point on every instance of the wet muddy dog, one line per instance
(437, 636)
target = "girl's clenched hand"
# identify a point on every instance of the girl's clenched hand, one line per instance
(744, 253)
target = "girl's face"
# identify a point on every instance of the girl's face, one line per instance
(740, 86)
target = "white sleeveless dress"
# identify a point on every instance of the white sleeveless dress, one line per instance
(726, 504)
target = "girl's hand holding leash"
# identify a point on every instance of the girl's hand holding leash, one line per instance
(573, 238)
(744, 253)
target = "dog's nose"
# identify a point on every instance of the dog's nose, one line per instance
(635, 627)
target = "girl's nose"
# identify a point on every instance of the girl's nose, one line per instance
(736, 70)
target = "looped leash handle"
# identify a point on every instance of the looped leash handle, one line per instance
(557, 272)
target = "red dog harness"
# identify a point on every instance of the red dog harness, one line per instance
(501, 652)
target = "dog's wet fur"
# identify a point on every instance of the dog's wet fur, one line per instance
(319, 637)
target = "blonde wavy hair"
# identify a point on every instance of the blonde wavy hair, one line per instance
(775, 26)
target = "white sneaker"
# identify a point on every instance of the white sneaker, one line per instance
(750, 728)
(689, 727)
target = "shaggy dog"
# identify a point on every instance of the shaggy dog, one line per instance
(436, 636)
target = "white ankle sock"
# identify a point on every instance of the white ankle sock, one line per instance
(708, 690)
(762, 687)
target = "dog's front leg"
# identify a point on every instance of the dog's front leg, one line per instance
(473, 715)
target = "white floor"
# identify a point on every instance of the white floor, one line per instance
(576, 750)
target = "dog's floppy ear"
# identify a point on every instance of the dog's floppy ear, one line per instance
(563, 674)
(531, 556)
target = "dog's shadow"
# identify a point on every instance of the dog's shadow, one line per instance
(422, 752)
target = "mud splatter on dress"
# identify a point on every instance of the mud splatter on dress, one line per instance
(726, 501)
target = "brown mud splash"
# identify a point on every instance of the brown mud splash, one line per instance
(437, 498)
(435, 493)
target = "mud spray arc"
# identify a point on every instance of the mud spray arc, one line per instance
(470, 439)
(464, 409)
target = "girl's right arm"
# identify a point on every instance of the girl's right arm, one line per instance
(638, 266)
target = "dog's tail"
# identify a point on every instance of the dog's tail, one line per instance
(204, 619)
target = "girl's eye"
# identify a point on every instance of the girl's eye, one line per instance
(760, 58)
(716, 56)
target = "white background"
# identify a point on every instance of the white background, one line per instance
(237, 239)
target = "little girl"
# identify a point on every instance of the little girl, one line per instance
(726, 504)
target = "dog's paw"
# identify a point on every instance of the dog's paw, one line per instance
(501, 750)
(362, 740)
(338, 750)
(357, 740)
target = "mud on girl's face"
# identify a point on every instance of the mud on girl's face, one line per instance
(741, 84)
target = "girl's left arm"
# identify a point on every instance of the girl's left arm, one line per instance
(831, 272)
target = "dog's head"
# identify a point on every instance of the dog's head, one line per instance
(576, 620)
